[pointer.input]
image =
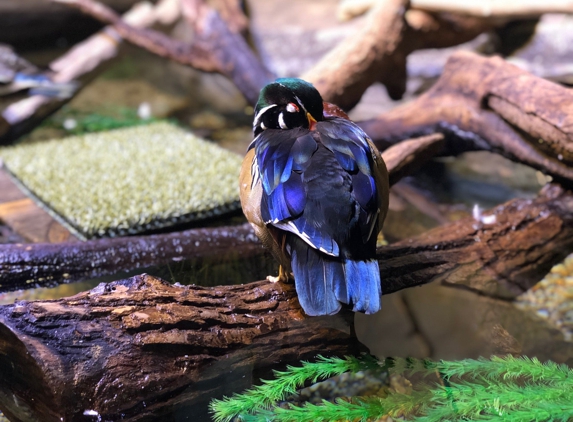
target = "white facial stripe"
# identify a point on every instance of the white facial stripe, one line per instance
(261, 112)
(300, 103)
(282, 122)
(263, 127)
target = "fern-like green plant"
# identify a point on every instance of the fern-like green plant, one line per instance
(500, 389)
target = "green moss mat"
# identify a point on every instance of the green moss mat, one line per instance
(127, 181)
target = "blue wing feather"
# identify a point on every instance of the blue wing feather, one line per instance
(323, 283)
(294, 194)
(347, 162)
(319, 186)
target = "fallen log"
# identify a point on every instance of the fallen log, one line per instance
(140, 348)
(501, 255)
(24, 266)
(488, 104)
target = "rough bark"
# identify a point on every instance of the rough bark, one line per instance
(502, 259)
(488, 104)
(141, 347)
(42, 264)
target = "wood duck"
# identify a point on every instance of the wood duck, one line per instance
(315, 189)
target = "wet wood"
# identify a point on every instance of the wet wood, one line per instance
(26, 218)
(488, 104)
(109, 342)
(502, 258)
(140, 347)
(34, 265)
(23, 266)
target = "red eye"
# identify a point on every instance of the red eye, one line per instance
(292, 108)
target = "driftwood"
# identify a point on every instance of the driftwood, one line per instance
(489, 9)
(379, 51)
(346, 72)
(501, 259)
(82, 61)
(341, 76)
(215, 48)
(110, 342)
(140, 347)
(488, 104)
(41, 264)
(48, 264)
(492, 9)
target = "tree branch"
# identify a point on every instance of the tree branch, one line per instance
(215, 48)
(140, 348)
(81, 61)
(378, 52)
(488, 104)
(492, 9)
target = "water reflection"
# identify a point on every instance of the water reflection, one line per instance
(447, 323)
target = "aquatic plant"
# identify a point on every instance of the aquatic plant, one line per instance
(76, 122)
(500, 388)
